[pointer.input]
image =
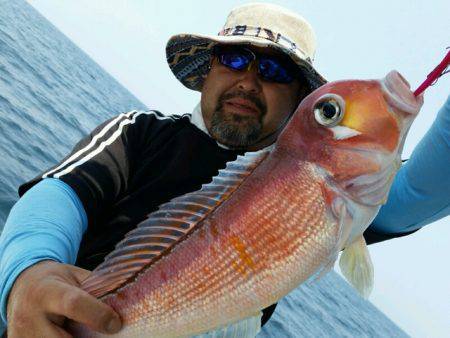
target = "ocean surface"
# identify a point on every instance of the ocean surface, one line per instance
(52, 94)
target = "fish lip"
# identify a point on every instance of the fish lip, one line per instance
(237, 101)
(399, 95)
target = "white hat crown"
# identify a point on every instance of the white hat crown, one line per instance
(257, 24)
(278, 20)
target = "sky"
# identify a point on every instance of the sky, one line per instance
(356, 39)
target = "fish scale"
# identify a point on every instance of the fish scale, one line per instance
(207, 262)
(237, 282)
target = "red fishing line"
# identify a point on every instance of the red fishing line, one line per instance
(434, 75)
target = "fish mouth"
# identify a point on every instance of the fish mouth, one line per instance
(399, 96)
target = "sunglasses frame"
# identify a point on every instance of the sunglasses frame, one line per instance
(283, 61)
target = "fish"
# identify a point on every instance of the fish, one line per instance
(205, 263)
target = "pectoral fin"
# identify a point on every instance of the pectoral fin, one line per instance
(247, 328)
(356, 266)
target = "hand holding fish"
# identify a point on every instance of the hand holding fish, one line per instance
(46, 294)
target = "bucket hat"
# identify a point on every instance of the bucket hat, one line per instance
(254, 24)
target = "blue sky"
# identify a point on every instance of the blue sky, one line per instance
(356, 39)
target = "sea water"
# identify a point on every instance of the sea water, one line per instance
(52, 94)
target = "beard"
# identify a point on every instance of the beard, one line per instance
(235, 130)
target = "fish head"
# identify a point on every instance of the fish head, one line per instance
(355, 131)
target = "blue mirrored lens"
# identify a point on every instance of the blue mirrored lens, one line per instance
(270, 68)
(273, 70)
(237, 61)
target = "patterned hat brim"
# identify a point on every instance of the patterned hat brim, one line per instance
(189, 55)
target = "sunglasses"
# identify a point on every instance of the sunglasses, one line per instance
(271, 68)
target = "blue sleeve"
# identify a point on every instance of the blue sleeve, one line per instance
(48, 222)
(420, 193)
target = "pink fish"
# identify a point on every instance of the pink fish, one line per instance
(209, 261)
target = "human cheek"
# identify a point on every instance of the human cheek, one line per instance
(210, 95)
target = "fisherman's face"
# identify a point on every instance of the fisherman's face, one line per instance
(243, 110)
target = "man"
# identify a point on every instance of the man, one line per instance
(252, 77)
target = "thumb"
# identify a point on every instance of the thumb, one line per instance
(79, 274)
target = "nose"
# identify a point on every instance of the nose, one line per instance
(249, 80)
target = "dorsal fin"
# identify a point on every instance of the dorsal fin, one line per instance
(169, 225)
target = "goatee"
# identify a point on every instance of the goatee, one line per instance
(236, 130)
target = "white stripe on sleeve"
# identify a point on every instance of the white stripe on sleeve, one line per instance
(91, 144)
(109, 141)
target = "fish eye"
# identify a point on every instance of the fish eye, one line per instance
(329, 110)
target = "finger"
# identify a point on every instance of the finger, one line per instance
(79, 274)
(40, 327)
(83, 308)
(58, 332)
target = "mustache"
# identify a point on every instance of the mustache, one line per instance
(243, 95)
